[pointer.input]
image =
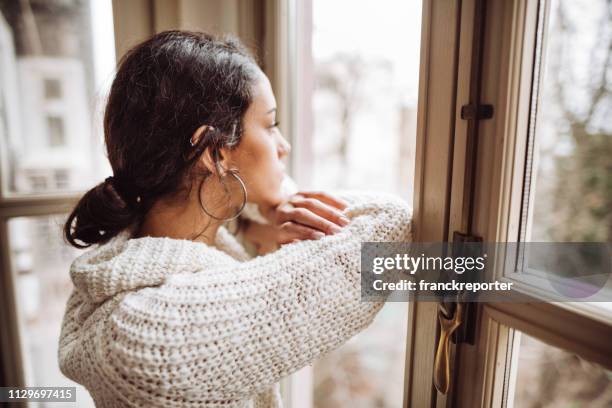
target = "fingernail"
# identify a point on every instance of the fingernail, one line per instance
(335, 229)
(318, 235)
(344, 221)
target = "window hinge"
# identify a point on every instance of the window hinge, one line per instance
(457, 322)
(473, 111)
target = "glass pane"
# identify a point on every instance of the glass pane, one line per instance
(572, 168)
(568, 184)
(55, 63)
(358, 131)
(41, 264)
(551, 377)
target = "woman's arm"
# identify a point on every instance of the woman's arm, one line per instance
(305, 215)
(226, 333)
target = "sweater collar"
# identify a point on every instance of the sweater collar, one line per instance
(126, 264)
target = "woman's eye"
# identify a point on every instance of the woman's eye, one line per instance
(275, 124)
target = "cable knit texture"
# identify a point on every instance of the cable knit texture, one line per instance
(160, 322)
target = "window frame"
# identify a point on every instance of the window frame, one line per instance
(12, 347)
(484, 371)
(284, 34)
(440, 80)
(13, 204)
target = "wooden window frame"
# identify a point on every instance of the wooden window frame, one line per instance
(485, 371)
(12, 347)
(440, 73)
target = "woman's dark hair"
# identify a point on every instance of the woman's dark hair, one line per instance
(165, 89)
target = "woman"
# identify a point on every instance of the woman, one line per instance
(168, 308)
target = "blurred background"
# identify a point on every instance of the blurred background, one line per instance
(347, 100)
(345, 74)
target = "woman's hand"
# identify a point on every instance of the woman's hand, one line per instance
(304, 215)
(308, 215)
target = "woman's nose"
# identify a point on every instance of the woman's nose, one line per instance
(283, 147)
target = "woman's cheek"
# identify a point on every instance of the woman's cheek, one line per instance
(271, 182)
(263, 184)
(262, 170)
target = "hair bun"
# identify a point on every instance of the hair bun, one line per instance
(99, 215)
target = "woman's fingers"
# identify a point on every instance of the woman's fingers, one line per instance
(309, 219)
(325, 198)
(308, 215)
(292, 232)
(323, 210)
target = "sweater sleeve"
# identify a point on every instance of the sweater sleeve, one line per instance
(225, 333)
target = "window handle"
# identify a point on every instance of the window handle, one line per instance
(449, 322)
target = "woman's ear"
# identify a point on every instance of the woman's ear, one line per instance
(216, 161)
(211, 162)
(206, 158)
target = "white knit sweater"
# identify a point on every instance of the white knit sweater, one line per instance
(160, 322)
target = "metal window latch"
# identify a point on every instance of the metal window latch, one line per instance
(450, 320)
(473, 111)
(457, 324)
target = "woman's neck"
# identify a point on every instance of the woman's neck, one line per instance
(182, 220)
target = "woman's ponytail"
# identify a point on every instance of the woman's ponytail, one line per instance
(99, 215)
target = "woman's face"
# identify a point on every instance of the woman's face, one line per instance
(259, 155)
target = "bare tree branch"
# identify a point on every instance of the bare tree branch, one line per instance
(601, 89)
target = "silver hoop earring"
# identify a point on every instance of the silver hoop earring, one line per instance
(244, 200)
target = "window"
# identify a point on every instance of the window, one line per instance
(566, 195)
(357, 97)
(55, 60)
(550, 376)
(53, 88)
(571, 141)
(544, 175)
(54, 66)
(41, 262)
(38, 183)
(62, 179)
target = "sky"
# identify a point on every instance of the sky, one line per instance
(381, 29)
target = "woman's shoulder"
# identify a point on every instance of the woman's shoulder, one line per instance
(127, 264)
